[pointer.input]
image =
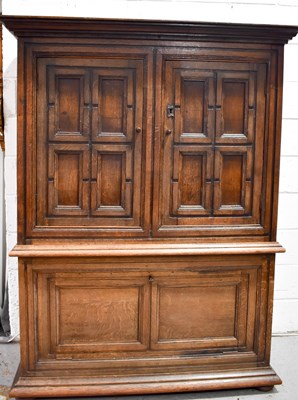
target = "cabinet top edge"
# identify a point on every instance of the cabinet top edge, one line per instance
(28, 26)
(144, 249)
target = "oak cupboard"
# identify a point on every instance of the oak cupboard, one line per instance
(148, 161)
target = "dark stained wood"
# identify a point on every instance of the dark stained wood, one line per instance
(236, 99)
(68, 183)
(234, 94)
(231, 180)
(68, 168)
(193, 106)
(24, 26)
(148, 160)
(111, 173)
(112, 93)
(228, 182)
(233, 189)
(68, 92)
(96, 109)
(67, 97)
(191, 179)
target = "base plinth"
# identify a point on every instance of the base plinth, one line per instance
(55, 386)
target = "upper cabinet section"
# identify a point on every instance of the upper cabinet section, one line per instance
(147, 129)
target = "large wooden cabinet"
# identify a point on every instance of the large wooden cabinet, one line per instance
(148, 162)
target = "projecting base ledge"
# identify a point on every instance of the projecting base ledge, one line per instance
(25, 387)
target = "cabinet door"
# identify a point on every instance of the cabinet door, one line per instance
(92, 146)
(210, 171)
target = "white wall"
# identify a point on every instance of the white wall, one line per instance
(249, 11)
(9, 94)
(2, 230)
(286, 287)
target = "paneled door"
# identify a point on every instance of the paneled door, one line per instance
(211, 145)
(91, 145)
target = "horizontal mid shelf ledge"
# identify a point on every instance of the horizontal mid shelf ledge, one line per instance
(118, 249)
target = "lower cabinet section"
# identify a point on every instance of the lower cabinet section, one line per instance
(146, 324)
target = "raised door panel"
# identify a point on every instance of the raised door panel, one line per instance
(235, 106)
(191, 106)
(68, 174)
(206, 311)
(211, 170)
(113, 173)
(68, 101)
(82, 316)
(114, 103)
(191, 184)
(94, 140)
(233, 173)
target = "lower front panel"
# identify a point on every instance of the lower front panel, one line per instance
(140, 323)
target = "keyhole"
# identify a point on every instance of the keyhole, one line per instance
(170, 111)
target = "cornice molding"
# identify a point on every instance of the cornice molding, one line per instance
(26, 26)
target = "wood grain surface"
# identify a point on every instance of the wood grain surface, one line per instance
(148, 163)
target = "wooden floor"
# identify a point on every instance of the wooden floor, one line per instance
(284, 360)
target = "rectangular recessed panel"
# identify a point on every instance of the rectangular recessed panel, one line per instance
(113, 94)
(196, 312)
(98, 315)
(69, 99)
(111, 179)
(231, 179)
(193, 106)
(113, 185)
(234, 106)
(190, 180)
(68, 173)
